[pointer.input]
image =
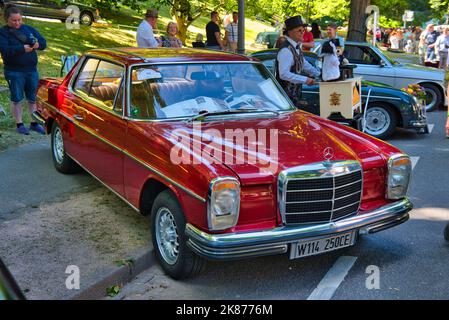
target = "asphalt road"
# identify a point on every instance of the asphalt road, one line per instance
(411, 260)
(29, 178)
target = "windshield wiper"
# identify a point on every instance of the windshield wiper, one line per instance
(203, 114)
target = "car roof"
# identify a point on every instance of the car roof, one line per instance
(362, 43)
(273, 51)
(134, 55)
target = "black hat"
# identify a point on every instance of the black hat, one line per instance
(294, 22)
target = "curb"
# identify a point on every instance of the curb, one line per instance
(120, 276)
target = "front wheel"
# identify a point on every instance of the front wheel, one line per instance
(434, 98)
(167, 229)
(381, 121)
(63, 163)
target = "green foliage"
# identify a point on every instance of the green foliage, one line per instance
(392, 9)
(124, 262)
(115, 4)
(334, 10)
(113, 290)
(389, 23)
(439, 7)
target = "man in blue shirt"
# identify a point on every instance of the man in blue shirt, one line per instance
(18, 46)
(430, 39)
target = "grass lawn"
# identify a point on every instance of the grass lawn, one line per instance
(63, 41)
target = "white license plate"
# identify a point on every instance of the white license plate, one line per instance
(317, 246)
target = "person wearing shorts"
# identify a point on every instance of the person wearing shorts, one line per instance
(18, 46)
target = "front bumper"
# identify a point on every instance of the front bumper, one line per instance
(417, 120)
(242, 245)
(418, 124)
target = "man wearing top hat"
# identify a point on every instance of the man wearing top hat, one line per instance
(290, 62)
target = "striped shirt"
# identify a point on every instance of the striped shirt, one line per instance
(233, 31)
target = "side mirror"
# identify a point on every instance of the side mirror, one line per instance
(382, 63)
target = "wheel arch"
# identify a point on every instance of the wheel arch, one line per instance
(150, 190)
(49, 124)
(438, 85)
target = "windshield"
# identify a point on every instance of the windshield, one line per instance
(184, 90)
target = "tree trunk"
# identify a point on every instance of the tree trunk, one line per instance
(357, 27)
(182, 28)
(182, 11)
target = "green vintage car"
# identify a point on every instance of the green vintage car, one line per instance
(388, 108)
(267, 38)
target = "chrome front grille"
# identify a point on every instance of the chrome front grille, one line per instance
(320, 192)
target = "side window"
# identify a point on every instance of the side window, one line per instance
(361, 55)
(106, 83)
(85, 77)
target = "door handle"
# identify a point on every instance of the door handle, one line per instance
(78, 117)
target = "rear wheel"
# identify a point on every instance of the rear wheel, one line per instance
(167, 229)
(63, 163)
(434, 98)
(381, 121)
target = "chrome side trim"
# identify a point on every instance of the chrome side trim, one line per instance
(382, 97)
(146, 165)
(126, 153)
(240, 245)
(57, 111)
(38, 118)
(104, 184)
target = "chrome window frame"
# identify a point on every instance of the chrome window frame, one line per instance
(87, 98)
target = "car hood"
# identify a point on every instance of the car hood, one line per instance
(423, 72)
(375, 84)
(289, 140)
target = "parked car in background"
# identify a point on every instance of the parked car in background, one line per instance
(55, 9)
(388, 108)
(373, 65)
(150, 124)
(267, 38)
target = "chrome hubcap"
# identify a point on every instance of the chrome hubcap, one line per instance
(85, 19)
(167, 235)
(58, 146)
(377, 121)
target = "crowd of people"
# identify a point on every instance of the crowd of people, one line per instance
(430, 44)
(214, 38)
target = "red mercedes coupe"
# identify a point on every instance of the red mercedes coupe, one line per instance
(208, 146)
